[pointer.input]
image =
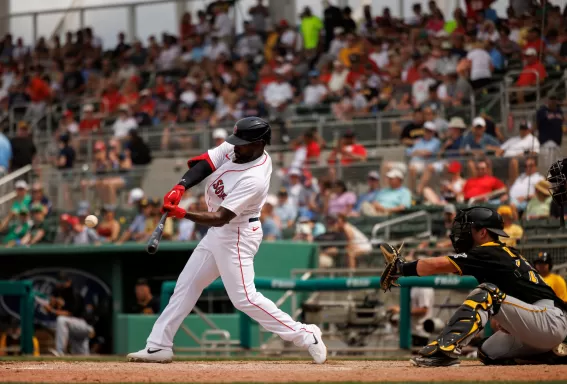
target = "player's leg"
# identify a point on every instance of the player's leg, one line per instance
(235, 260)
(533, 329)
(199, 272)
(61, 334)
(464, 325)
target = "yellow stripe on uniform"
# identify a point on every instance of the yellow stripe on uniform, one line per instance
(524, 308)
(455, 264)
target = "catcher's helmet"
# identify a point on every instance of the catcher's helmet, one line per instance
(556, 176)
(544, 258)
(250, 130)
(477, 217)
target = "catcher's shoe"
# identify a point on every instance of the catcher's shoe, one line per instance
(151, 355)
(318, 350)
(438, 359)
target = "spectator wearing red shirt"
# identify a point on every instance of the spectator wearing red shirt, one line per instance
(307, 149)
(483, 187)
(89, 123)
(528, 77)
(348, 151)
(267, 76)
(111, 99)
(130, 93)
(534, 40)
(147, 104)
(477, 6)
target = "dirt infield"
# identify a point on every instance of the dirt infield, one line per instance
(266, 371)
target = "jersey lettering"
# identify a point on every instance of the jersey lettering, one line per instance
(219, 189)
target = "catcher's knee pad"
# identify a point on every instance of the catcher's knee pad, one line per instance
(466, 322)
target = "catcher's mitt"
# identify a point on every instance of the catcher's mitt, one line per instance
(393, 270)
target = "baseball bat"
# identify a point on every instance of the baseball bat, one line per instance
(153, 243)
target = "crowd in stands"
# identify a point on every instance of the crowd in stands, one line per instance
(205, 77)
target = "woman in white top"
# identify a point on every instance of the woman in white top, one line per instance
(480, 65)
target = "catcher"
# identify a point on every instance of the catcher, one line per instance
(529, 320)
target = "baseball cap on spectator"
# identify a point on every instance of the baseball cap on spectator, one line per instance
(525, 125)
(454, 167)
(64, 217)
(88, 108)
(37, 207)
(272, 200)
(21, 184)
(123, 108)
(135, 195)
(154, 202)
(283, 23)
(430, 126)
(23, 211)
(530, 52)
(338, 30)
(145, 92)
(450, 208)
(457, 122)
(374, 175)
(395, 173)
(349, 133)
(294, 172)
(220, 133)
(446, 45)
(143, 203)
(505, 210)
(282, 192)
(479, 121)
(68, 113)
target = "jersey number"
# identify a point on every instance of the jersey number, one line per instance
(219, 189)
(533, 276)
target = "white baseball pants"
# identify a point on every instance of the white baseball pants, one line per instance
(227, 252)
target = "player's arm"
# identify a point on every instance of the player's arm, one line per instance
(435, 266)
(211, 219)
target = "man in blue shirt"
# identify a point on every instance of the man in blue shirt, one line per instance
(285, 210)
(373, 189)
(478, 141)
(495, 55)
(422, 152)
(393, 199)
(5, 154)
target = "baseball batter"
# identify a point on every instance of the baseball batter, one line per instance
(236, 175)
(529, 319)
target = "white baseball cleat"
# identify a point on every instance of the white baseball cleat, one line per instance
(151, 355)
(318, 350)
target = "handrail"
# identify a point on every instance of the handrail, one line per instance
(17, 173)
(401, 219)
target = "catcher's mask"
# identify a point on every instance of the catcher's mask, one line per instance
(556, 177)
(477, 218)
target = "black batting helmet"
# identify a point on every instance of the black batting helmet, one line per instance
(544, 258)
(557, 177)
(474, 217)
(250, 130)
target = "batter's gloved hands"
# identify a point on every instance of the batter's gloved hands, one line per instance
(174, 211)
(393, 270)
(174, 196)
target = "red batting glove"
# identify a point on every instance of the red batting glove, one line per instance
(174, 211)
(174, 196)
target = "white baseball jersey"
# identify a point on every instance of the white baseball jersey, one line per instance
(240, 188)
(229, 251)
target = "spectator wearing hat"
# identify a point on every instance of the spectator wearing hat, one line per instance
(307, 148)
(544, 265)
(513, 230)
(278, 94)
(219, 136)
(477, 142)
(108, 229)
(422, 152)
(533, 74)
(16, 229)
(63, 232)
(483, 186)
(285, 210)
(315, 92)
(373, 182)
(523, 188)
(80, 234)
(307, 229)
(298, 194)
(146, 303)
(270, 222)
(124, 123)
(392, 199)
(549, 121)
(68, 125)
(137, 229)
(22, 199)
(23, 148)
(451, 188)
(539, 205)
(38, 197)
(39, 232)
(348, 151)
(413, 130)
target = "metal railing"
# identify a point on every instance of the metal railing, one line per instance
(7, 192)
(386, 225)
